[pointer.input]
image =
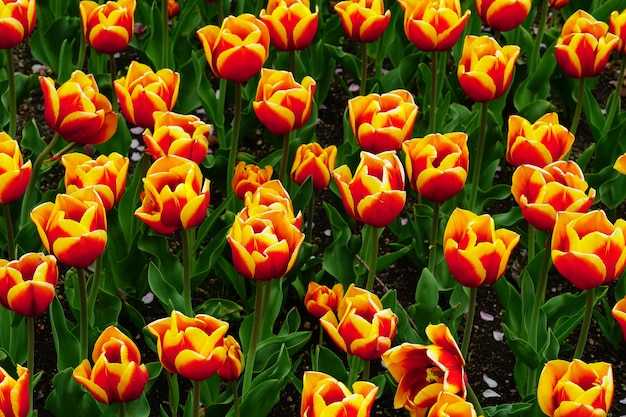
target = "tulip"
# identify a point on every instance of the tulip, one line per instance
(248, 177)
(422, 372)
(375, 194)
(117, 374)
(323, 395)
(617, 26)
(106, 173)
(311, 160)
(619, 314)
(72, 229)
(542, 192)
(176, 134)
(575, 388)
(190, 346)
(234, 362)
(503, 15)
(382, 122)
(620, 164)
(281, 104)
(175, 195)
(240, 39)
(172, 8)
(27, 285)
(363, 20)
(434, 25)
(142, 92)
(271, 196)
(17, 21)
(77, 111)
(486, 69)
(540, 143)
(361, 326)
(476, 253)
(108, 27)
(437, 164)
(291, 24)
(14, 394)
(450, 405)
(319, 299)
(558, 4)
(14, 173)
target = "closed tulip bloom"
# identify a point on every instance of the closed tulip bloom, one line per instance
(363, 20)
(271, 196)
(175, 195)
(281, 104)
(434, 25)
(108, 27)
(72, 229)
(424, 371)
(575, 388)
(450, 405)
(382, 122)
(617, 26)
(291, 23)
(14, 393)
(619, 314)
(234, 362)
(177, 134)
(143, 92)
(437, 164)
(311, 160)
(17, 21)
(172, 8)
(539, 143)
(77, 111)
(476, 253)
(375, 194)
(620, 164)
(584, 46)
(486, 68)
(248, 177)
(14, 172)
(27, 285)
(557, 4)
(324, 396)
(542, 192)
(192, 347)
(503, 15)
(240, 39)
(319, 299)
(117, 374)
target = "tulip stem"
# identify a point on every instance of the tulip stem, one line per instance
(284, 158)
(584, 330)
(362, 89)
(469, 322)
(309, 220)
(293, 67)
(30, 324)
(113, 76)
(165, 35)
(433, 93)
(432, 245)
(256, 331)
(10, 234)
(140, 169)
(220, 12)
(616, 97)
(471, 395)
(82, 52)
(579, 106)
(373, 258)
(195, 398)
(531, 242)
(233, 385)
(534, 57)
(12, 93)
(94, 288)
(84, 325)
(121, 409)
(484, 112)
(232, 153)
(186, 271)
(365, 376)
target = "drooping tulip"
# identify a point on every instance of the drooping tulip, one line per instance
(15, 393)
(311, 160)
(108, 27)
(248, 177)
(14, 172)
(17, 21)
(503, 15)
(291, 23)
(319, 299)
(363, 20)
(323, 395)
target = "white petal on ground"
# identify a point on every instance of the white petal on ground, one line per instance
(489, 393)
(328, 232)
(490, 382)
(486, 316)
(498, 336)
(148, 298)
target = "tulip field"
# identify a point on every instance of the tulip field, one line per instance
(294, 207)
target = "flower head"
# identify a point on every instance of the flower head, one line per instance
(617, 26)
(14, 393)
(234, 362)
(291, 23)
(319, 299)
(323, 395)
(14, 172)
(248, 177)
(17, 21)
(108, 27)
(311, 160)
(363, 20)
(503, 15)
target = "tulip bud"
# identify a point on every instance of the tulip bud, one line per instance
(233, 365)
(14, 173)
(319, 299)
(108, 27)
(313, 161)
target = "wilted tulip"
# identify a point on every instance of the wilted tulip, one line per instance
(77, 111)
(382, 122)
(486, 69)
(240, 39)
(17, 21)
(323, 395)
(143, 92)
(450, 405)
(437, 164)
(291, 23)
(108, 27)
(14, 173)
(617, 26)
(117, 374)
(319, 299)
(311, 160)
(14, 394)
(363, 20)
(575, 388)
(234, 362)
(248, 177)
(192, 347)
(503, 15)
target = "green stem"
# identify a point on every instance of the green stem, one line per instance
(378, 62)
(84, 324)
(469, 322)
(220, 11)
(173, 400)
(616, 97)
(234, 140)
(233, 385)
(373, 260)
(121, 409)
(30, 323)
(534, 57)
(239, 7)
(113, 68)
(531, 242)
(433, 93)
(432, 244)
(93, 290)
(195, 406)
(221, 105)
(362, 89)
(141, 169)
(293, 67)
(484, 112)
(12, 254)
(12, 94)
(254, 337)
(366, 370)
(471, 396)
(284, 158)
(186, 271)
(321, 337)
(82, 53)
(579, 106)
(584, 330)
(309, 220)
(165, 34)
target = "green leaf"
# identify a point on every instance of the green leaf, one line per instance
(164, 291)
(66, 344)
(120, 141)
(67, 391)
(324, 360)
(46, 45)
(338, 258)
(31, 138)
(522, 350)
(269, 348)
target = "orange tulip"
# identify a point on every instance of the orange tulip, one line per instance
(248, 177)
(434, 25)
(106, 173)
(191, 347)
(319, 299)
(323, 395)
(27, 285)
(234, 362)
(557, 4)
(382, 122)
(587, 249)
(72, 229)
(77, 111)
(620, 164)
(108, 27)
(375, 194)
(619, 314)
(143, 92)
(542, 192)
(485, 68)
(361, 326)
(450, 405)
(540, 143)
(175, 195)
(584, 46)
(575, 388)
(475, 252)
(14, 173)
(617, 26)
(424, 371)
(14, 394)
(17, 21)
(118, 374)
(281, 104)
(363, 20)
(311, 160)
(291, 23)
(437, 164)
(503, 15)
(240, 39)
(176, 134)
(172, 8)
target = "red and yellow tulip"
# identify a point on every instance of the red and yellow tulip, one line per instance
(15, 393)
(14, 172)
(271, 196)
(617, 26)
(291, 23)
(619, 314)
(234, 362)
(557, 4)
(108, 27)
(17, 21)
(503, 15)
(620, 164)
(324, 396)
(450, 405)
(311, 160)
(363, 20)
(248, 177)
(319, 299)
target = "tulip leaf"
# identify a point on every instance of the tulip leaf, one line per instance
(325, 360)
(426, 309)
(225, 270)
(69, 392)
(268, 348)
(291, 323)
(510, 410)
(260, 400)
(191, 75)
(169, 297)
(522, 350)
(158, 247)
(65, 342)
(593, 114)
(136, 408)
(337, 256)
(107, 308)
(510, 297)
(119, 142)
(46, 45)
(389, 258)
